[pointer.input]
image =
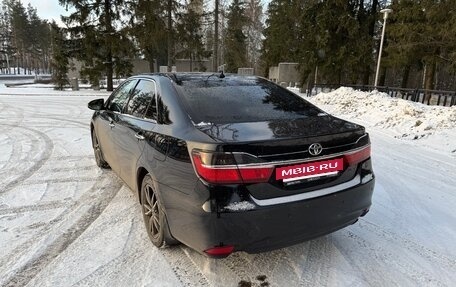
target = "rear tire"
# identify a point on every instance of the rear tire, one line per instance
(97, 152)
(154, 215)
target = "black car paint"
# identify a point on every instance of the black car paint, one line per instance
(164, 154)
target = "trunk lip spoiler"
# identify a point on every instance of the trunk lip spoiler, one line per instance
(305, 151)
(302, 160)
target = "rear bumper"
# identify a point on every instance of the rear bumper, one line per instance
(264, 228)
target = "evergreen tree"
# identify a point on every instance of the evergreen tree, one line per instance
(60, 57)
(33, 31)
(235, 44)
(149, 29)
(329, 36)
(25, 37)
(122, 54)
(421, 34)
(44, 46)
(448, 32)
(337, 43)
(19, 24)
(281, 33)
(189, 32)
(94, 29)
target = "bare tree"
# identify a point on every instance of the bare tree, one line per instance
(254, 32)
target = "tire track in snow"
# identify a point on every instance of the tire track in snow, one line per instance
(69, 157)
(16, 117)
(241, 264)
(58, 169)
(65, 158)
(410, 245)
(236, 262)
(272, 264)
(315, 270)
(83, 124)
(70, 169)
(35, 207)
(61, 180)
(374, 274)
(2, 107)
(16, 151)
(215, 271)
(46, 154)
(64, 237)
(184, 268)
(122, 259)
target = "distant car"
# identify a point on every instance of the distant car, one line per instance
(226, 163)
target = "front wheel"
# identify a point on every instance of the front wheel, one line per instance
(154, 215)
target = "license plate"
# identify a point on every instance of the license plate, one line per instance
(309, 170)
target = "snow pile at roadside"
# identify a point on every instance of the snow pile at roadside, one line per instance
(405, 119)
(410, 119)
(49, 91)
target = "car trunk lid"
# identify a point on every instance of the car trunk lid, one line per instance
(285, 147)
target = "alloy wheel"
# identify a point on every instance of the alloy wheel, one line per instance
(152, 212)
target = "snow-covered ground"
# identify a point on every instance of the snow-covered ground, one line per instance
(44, 89)
(65, 222)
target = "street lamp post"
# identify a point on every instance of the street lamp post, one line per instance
(385, 16)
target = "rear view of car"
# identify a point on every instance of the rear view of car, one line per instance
(229, 163)
(280, 170)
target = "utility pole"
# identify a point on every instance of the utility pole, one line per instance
(385, 16)
(216, 37)
(108, 28)
(169, 9)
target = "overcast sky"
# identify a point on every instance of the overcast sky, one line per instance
(51, 10)
(47, 9)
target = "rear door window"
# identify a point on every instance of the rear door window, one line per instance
(235, 100)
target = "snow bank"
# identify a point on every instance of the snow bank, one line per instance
(434, 125)
(49, 91)
(409, 119)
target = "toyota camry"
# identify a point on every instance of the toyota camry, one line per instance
(225, 163)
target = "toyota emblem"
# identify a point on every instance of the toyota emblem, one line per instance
(315, 149)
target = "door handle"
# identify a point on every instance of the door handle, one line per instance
(139, 136)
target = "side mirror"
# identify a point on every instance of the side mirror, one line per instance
(96, 105)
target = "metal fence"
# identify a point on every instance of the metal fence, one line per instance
(429, 97)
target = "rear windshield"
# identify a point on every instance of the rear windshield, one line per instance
(236, 100)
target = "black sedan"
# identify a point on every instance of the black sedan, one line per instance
(225, 163)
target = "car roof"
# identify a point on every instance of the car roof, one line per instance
(181, 77)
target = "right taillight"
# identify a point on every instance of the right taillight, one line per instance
(223, 168)
(359, 155)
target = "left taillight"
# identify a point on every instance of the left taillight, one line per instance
(226, 168)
